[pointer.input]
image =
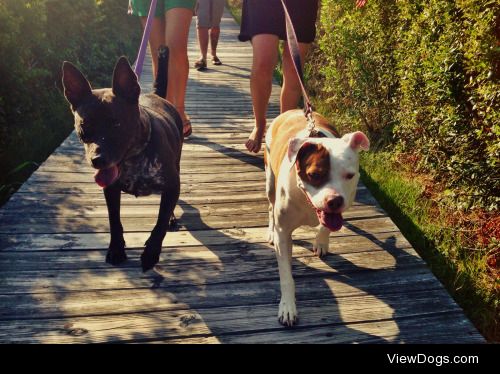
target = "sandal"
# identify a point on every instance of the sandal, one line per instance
(216, 61)
(189, 131)
(201, 64)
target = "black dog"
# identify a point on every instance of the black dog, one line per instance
(134, 141)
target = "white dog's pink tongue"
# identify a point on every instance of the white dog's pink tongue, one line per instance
(333, 221)
(106, 177)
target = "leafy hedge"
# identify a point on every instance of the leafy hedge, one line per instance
(421, 76)
(35, 37)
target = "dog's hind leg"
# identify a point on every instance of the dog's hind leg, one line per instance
(271, 196)
(152, 250)
(116, 252)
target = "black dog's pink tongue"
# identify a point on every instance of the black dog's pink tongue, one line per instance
(106, 177)
(333, 221)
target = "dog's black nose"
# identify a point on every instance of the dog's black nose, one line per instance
(336, 203)
(98, 162)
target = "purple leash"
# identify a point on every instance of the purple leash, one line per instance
(144, 43)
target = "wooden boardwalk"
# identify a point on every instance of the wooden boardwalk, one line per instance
(217, 281)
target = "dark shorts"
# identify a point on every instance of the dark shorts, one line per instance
(141, 7)
(268, 17)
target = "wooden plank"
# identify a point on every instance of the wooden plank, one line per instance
(87, 178)
(209, 191)
(193, 193)
(73, 259)
(231, 320)
(97, 199)
(214, 166)
(418, 330)
(193, 166)
(144, 210)
(100, 225)
(21, 242)
(151, 211)
(196, 188)
(114, 301)
(190, 195)
(192, 222)
(200, 272)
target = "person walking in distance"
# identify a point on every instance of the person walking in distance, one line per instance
(209, 15)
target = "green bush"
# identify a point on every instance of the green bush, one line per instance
(358, 70)
(449, 111)
(35, 37)
(234, 7)
(421, 77)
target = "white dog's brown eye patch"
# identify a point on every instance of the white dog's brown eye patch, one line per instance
(313, 164)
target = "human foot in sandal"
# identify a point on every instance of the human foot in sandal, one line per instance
(186, 121)
(216, 61)
(201, 64)
(188, 129)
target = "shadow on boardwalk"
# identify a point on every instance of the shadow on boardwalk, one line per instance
(236, 289)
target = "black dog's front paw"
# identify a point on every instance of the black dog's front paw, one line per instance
(115, 257)
(151, 254)
(116, 254)
(149, 260)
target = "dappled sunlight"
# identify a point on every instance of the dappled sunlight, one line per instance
(127, 327)
(371, 260)
(191, 273)
(364, 307)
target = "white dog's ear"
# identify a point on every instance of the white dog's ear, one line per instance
(357, 141)
(294, 146)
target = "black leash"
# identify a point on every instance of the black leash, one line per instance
(293, 46)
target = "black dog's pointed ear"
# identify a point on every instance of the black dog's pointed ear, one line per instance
(76, 86)
(125, 82)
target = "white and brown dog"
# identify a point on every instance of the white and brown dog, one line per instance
(310, 181)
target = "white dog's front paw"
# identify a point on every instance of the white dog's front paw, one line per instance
(287, 314)
(320, 249)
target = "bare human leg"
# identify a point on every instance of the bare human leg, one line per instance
(203, 43)
(265, 58)
(177, 23)
(214, 41)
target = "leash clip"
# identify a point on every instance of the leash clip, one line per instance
(311, 124)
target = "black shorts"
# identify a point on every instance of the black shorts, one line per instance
(268, 17)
